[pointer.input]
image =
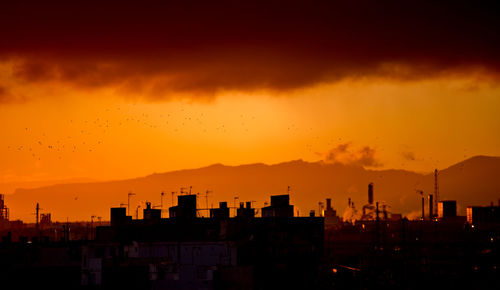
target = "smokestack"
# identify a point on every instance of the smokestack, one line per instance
(431, 200)
(378, 228)
(423, 205)
(37, 212)
(328, 203)
(436, 191)
(370, 193)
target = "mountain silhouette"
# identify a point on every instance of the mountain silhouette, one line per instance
(475, 181)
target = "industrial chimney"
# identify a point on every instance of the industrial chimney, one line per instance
(370, 193)
(431, 202)
(328, 203)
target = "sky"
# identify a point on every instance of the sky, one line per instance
(121, 89)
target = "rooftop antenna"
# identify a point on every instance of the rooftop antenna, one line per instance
(128, 201)
(183, 190)
(288, 190)
(137, 212)
(206, 198)
(198, 210)
(161, 204)
(235, 198)
(173, 193)
(436, 192)
(190, 187)
(92, 226)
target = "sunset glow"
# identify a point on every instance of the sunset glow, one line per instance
(124, 91)
(415, 125)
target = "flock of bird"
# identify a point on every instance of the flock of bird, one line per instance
(90, 134)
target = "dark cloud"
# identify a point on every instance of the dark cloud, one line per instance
(203, 47)
(346, 154)
(4, 93)
(408, 155)
(6, 96)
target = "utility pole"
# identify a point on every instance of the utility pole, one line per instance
(161, 204)
(37, 212)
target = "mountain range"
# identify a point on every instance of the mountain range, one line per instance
(475, 181)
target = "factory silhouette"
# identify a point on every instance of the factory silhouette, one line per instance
(242, 247)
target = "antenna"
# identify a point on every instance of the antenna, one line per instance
(173, 193)
(235, 198)
(92, 226)
(288, 190)
(206, 200)
(37, 213)
(137, 212)
(161, 204)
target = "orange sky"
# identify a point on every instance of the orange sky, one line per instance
(117, 90)
(101, 135)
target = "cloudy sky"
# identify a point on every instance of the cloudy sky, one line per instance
(122, 89)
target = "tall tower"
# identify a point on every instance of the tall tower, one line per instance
(436, 192)
(370, 193)
(37, 213)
